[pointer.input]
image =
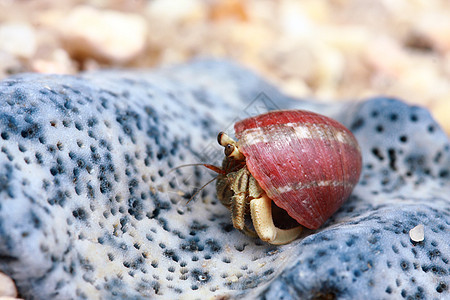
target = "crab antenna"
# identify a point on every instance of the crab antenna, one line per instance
(196, 193)
(211, 167)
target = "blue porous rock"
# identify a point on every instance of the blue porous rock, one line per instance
(90, 210)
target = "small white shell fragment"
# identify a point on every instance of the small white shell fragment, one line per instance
(417, 233)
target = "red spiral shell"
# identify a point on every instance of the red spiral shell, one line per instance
(308, 164)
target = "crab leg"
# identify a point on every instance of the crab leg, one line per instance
(238, 211)
(261, 212)
(238, 215)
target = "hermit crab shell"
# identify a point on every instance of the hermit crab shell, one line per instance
(308, 164)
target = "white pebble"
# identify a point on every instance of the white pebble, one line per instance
(436, 27)
(104, 34)
(7, 287)
(176, 10)
(417, 233)
(18, 39)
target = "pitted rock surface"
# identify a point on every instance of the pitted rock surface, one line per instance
(89, 206)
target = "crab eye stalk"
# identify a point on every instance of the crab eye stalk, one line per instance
(231, 149)
(223, 139)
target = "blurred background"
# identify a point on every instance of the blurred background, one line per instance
(328, 50)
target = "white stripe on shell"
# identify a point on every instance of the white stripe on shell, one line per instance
(299, 186)
(254, 136)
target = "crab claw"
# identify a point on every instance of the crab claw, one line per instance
(261, 212)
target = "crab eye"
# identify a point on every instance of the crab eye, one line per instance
(229, 149)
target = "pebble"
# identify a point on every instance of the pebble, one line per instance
(417, 233)
(9, 64)
(18, 39)
(229, 9)
(393, 65)
(183, 11)
(440, 111)
(58, 62)
(435, 27)
(106, 35)
(7, 287)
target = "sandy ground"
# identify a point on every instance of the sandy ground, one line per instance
(326, 50)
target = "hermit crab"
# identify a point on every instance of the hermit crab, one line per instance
(298, 161)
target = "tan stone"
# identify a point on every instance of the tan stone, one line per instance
(59, 62)
(106, 35)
